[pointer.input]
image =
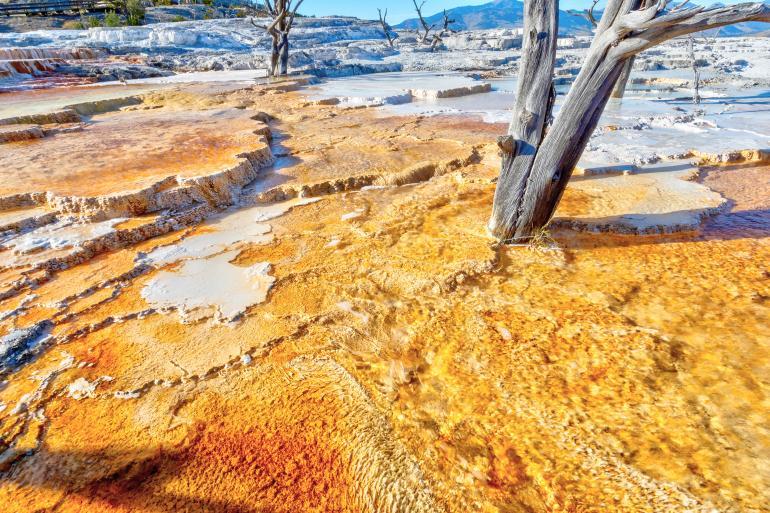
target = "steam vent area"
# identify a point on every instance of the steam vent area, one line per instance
(223, 292)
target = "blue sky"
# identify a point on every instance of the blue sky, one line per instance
(398, 10)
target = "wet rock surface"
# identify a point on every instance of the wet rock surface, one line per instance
(343, 46)
(378, 350)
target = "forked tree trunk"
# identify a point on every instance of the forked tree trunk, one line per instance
(283, 13)
(538, 159)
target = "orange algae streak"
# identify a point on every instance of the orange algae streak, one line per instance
(228, 472)
(126, 151)
(404, 361)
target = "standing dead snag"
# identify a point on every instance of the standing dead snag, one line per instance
(283, 18)
(531, 113)
(386, 28)
(539, 156)
(695, 70)
(422, 37)
(439, 38)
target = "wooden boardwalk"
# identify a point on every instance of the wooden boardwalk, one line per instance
(49, 7)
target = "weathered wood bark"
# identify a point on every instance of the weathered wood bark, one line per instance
(534, 98)
(534, 173)
(620, 86)
(273, 70)
(283, 14)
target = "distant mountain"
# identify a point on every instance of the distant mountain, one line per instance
(510, 14)
(740, 29)
(750, 28)
(497, 14)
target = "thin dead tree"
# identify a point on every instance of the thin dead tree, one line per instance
(386, 28)
(538, 155)
(422, 37)
(587, 14)
(438, 38)
(282, 12)
(695, 70)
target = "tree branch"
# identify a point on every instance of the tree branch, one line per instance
(588, 14)
(293, 14)
(679, 23)
(425, 27)
(261, 27)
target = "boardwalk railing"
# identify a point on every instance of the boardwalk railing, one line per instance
(46, 7)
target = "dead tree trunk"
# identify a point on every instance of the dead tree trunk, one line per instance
(387, 29)
(620, 86)
(538, 157)
(695, 70)
(283, 14)
(284, 53)
(273, 70)
(439, 37)
(422, 36)
(534, 100)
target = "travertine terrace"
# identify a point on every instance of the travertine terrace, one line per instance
(261, 297)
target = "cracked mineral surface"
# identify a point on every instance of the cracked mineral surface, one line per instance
(219, 297)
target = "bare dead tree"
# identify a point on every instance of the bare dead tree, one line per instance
(695, 70)
(386, 28)
(439, 37)
(422, 36)
(587, 14)
(538, 155)
(282, 12)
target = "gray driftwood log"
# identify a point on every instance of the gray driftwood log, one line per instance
(539, 156)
